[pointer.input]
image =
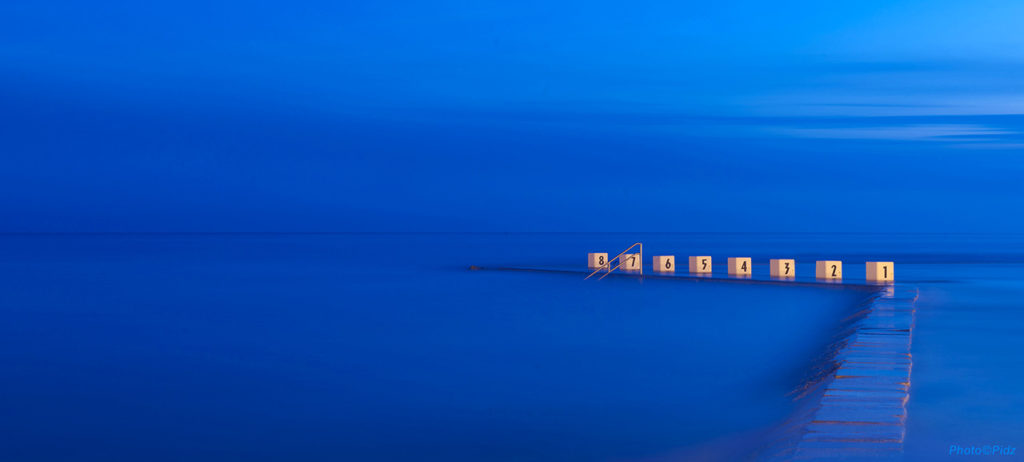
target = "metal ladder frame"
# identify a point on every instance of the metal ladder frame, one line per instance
(617, 257)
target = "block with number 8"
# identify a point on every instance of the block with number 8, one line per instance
(629, 261)
(597, 260)
(781, 268)
(739, 266)
(665, 263)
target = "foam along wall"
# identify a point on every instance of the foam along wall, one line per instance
(700, 264)
(597, 260)
(739, 266)
(879, 271)
(828, 269)
(665, 263)
(629, 261)
(782, 268)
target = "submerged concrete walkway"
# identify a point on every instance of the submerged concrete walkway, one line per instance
(853, 404)
(856, 409)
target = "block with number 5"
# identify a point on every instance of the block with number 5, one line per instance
(665, 263)
(782, 268)
(629, 261)
(879, 271)
(700, 264)
(828, 269)
(739, 266)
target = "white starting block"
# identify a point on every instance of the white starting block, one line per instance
(629, 261)
(782, 268)
(739, 266)
(879, 271)
(700, 264)
(828, 269)
(597, 260)
(665, 263)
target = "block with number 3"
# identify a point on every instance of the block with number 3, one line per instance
(665, 263)
(782, 268)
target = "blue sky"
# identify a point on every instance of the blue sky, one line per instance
(517, 116)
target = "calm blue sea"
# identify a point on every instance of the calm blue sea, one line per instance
(384, 347)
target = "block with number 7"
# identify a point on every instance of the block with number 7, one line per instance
(629, 261)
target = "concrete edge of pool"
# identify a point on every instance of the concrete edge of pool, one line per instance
(857, 410)
(854, 407)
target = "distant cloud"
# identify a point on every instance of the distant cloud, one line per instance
(961, 133)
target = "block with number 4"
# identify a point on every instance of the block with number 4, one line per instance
(828, 269)
(665, 263)
(700, 264)
(782, 268)
(597, 260)
(629, 261)
(879, 271)
(739, 266)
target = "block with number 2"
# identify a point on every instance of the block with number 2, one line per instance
(828, 269)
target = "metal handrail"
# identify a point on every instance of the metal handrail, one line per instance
(609, 265)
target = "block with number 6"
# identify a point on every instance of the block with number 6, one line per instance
(700, 264)
(629, 261)
(597, 260)
(739, 266)
(665, 263)
(879, 271)
(828, 269)
(782, 268)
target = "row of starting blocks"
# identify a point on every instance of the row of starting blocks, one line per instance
(876, 271)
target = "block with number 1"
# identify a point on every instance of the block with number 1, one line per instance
(879, 271)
